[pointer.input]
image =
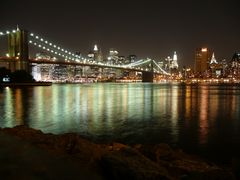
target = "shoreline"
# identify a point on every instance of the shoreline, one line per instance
(119, 161)
(26, 84)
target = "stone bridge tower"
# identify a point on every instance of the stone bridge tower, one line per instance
(18, 49)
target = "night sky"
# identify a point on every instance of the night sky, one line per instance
(146, 28)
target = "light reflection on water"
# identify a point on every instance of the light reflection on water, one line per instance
(191, 117)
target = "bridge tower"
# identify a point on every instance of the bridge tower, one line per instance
(148, 76)
(18, 49)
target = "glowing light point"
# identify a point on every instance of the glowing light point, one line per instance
(175, 56)
(95, 48)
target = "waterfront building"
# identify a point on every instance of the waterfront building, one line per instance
(113, 56)
(235, 65)
(201, 60)
(121, 60)
(131, 59)
(168, 62)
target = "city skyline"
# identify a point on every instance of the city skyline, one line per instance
(147, 29)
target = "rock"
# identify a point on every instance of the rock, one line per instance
(66, 144)
(128, 163)
(181, 165)
(120, 161)
(116, 146)
(157, 152)
(217, 174)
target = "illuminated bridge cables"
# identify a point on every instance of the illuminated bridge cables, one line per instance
(57, 50)
(164, 72)
(50, 50)
(135, 63)
(138, 63)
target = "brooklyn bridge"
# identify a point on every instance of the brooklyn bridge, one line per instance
(18, 57)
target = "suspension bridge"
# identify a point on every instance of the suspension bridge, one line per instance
(18, 57)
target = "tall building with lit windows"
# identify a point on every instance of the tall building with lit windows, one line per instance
(113, 56)
(201, 59)
(174, 64)
(96, 54)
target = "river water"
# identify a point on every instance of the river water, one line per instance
(200, 119)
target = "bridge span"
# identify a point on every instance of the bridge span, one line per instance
(18, 56)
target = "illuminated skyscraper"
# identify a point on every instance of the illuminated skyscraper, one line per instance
(174, 61)
(201, 59)
(96, 54)
(236, 60)
(113, 56)
(235, 65)
(213, 59)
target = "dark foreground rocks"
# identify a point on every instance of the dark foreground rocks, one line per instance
(119, 161)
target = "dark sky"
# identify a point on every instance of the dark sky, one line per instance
(147, 28)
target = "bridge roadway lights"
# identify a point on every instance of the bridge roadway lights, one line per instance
(147, 76)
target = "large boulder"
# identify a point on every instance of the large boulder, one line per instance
(128, 163)
(182, 165)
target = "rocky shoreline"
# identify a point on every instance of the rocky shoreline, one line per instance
(120, 161)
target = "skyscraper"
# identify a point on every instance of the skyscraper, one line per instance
(213, 59)
(113, 56)
(201, 59)
(97, 54)
(174, 61)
